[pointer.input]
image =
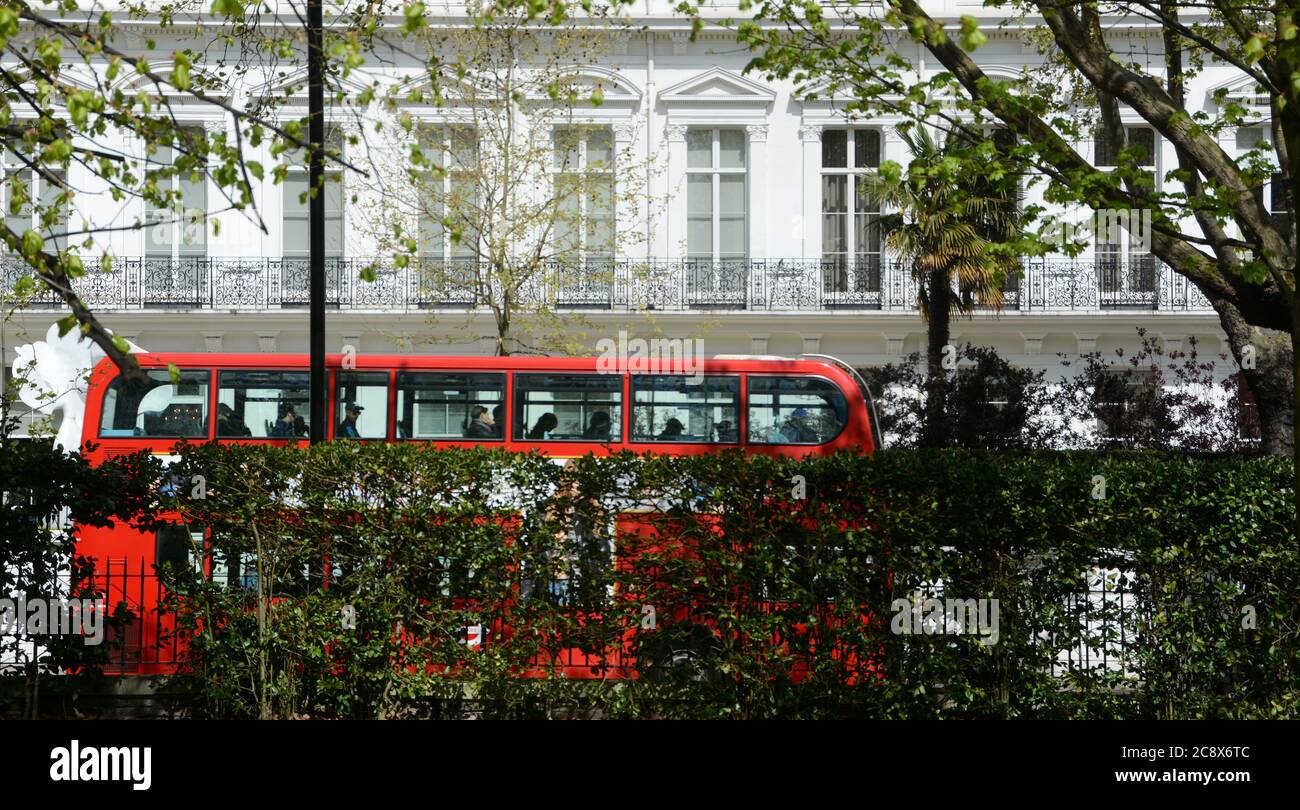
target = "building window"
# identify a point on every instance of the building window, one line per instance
(717, 226)
(179, 230)
(584, 193)
(448, 194)
(1127, 268)
(21, 185)
(1003, 225)
(850, 217)
(297, 202)
(176, 239)
(1277, 204)
(1270, 193)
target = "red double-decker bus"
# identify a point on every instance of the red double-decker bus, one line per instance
(561, 407)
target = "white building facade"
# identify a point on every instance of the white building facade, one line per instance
(752, 237)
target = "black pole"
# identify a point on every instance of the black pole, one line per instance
(316, 211)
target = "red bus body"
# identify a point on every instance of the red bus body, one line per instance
(124, 558)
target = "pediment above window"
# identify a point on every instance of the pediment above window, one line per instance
(718, 86)
(292, 85)
(1244, 91)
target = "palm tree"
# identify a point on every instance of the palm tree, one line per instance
(948, 227)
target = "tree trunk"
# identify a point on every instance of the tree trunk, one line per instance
(1273, 385)
(1271, 380)
(503, 330)
(935, 433)
(1295, 405)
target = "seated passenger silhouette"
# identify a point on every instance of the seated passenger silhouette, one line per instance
(673, 430)
(230, 423)
(348, 427)
(598, 428)
(285, 427)
(480, 424)
(726, 432)
(796, 429)
(545, 424)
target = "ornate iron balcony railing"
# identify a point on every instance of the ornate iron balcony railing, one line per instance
(617, 285)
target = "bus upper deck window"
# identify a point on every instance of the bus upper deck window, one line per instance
(795, 410)
(568, 407)
(679, 408)
(157, 408)
(450, 407)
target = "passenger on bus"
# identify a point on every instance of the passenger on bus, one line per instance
(498, 423)
(284, 427)
(348, 427)
(230, 423)
(542, 429)
(598, 427)
(673, 430)
(480, 424)
(796, 429)
(726, 432)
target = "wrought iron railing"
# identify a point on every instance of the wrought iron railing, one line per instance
(624, 285)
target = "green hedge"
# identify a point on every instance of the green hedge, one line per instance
(734, 596)
(42, 491)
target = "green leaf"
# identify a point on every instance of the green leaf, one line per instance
(180, 78)
(8, 22)
(66, 324)
(971, 35)
(174, 371)
(227, 8)
(413, 18)
(32, 243)
(1254, 49)
(121, 345)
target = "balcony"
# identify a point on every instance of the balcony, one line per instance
(613, 285)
